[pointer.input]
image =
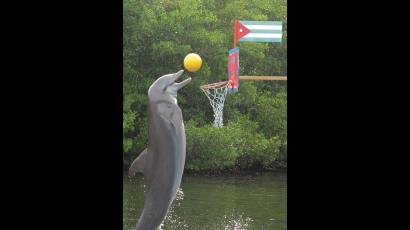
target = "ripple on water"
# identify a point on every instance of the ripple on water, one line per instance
(217, 203)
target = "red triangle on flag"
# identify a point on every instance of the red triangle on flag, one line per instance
(240, 30)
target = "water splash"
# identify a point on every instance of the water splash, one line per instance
(235, 222)
(172, 220)
(180, 195)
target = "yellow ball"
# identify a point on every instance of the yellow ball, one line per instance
(192, 62)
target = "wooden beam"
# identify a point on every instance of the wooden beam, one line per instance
(268, 78)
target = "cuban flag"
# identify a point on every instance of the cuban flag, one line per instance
(258, 31)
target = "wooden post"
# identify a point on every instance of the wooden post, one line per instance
(265, 78)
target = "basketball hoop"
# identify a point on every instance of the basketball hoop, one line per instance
(216, 93)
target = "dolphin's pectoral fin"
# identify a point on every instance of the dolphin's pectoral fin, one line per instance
(138, 164)
(173, 114)
(176, 119)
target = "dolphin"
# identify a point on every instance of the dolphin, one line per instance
(162, 162)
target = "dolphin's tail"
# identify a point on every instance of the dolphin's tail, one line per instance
(138, 164)
(152, 216)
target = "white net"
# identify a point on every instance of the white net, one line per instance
(216, 93)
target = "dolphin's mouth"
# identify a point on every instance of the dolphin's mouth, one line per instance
(179, 85)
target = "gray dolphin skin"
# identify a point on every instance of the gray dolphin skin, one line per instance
(162, 162)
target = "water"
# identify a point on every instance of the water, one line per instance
(245, 202)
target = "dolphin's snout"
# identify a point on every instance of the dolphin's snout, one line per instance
(167, 84)
(177, 75)
(178, 85)
(183, 83)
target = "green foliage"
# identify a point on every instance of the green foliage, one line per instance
(209, 148)
(235, 145)
(157, 34)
